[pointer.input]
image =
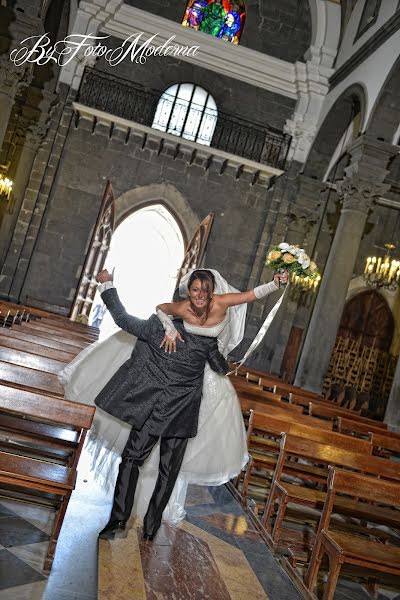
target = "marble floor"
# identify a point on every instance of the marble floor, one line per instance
(215, 554)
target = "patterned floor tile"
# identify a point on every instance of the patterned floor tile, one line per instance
(14, 572)
(5, 511)
(32, 554)
(41, 517)
(30, 591)
(15, 531)
(198, 494)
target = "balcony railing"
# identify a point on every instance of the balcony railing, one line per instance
(134, 102)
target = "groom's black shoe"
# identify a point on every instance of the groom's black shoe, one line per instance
(113, 529)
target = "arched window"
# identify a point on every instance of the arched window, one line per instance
(221, 18)
(188, 111)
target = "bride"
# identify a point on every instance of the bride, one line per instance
(218, 452)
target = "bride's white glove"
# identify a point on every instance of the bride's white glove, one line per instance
(261, 291)
(171, 334)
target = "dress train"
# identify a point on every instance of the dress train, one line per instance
(216, 455)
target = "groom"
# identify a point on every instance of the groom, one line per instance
(159, 394)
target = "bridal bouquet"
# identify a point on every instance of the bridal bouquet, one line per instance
(293, 259)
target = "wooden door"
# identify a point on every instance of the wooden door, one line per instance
(195, 249)
(96, 256)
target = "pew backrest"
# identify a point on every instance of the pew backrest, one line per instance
(332, 455)
(262, 422)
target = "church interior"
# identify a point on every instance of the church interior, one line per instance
(153, 138)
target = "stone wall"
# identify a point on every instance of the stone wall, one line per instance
(281, 28)
(88, 159)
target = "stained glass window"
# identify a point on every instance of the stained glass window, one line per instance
(221, 18)
(188, 111)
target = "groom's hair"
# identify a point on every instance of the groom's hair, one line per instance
(206, 277)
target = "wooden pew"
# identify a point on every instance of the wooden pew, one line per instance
(60, 330)
(384, 445)
(91, 333)
(251, 389)
(363, 429)
(39, 340)
(10, 317)
(34, 480)
(285, 389)
(280, 411)
(38, 313)
(264, 451)
(32, 361)
(318, 410)
(30, 379)
(296, 410)
(305, 401)
(36, 331)
(42, 425)
(322, 454)
(263, 422)
(271, 381)
(343, 548)
(6, 341)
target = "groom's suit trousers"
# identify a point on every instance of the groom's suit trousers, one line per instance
(137, 449)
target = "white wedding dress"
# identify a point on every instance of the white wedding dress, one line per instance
(217, 453)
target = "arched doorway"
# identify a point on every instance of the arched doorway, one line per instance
(368, 318)
(360, 359)
(146, 253)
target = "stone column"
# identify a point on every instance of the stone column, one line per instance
(12, 79)
(363, 183)
(305, 213)
(392, 414)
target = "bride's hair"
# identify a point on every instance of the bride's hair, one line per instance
(206, 277)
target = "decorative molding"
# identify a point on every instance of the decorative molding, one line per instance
(306, 82)
(238, 62)
(260, 172)
(121, 21)
(372, 44)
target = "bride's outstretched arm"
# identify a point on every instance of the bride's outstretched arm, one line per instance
(258, 293)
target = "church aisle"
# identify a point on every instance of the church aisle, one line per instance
(215, 554)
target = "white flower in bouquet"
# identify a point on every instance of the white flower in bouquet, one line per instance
(304, 260)
(284, 246)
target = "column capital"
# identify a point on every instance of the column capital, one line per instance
(358, 194)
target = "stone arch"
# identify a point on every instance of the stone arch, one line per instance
(334, 125)
(158, 193)
(384, 119)
(325, 29)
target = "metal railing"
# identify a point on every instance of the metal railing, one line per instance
(134, 102)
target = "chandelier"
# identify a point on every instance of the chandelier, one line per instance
(383, 272)
(5, 188)
(304, 283)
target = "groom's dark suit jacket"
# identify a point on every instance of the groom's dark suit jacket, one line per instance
(154, 386)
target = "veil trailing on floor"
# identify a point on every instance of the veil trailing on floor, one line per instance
(213, 457)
